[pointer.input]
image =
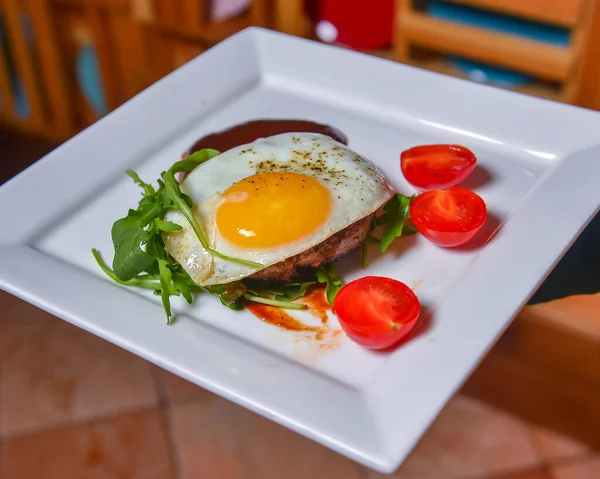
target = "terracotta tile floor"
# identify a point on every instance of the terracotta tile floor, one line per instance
(73, 406)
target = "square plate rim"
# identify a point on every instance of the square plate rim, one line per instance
(586, 206)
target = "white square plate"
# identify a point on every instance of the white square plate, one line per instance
(539, 170)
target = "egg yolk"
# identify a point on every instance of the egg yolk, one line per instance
(271, 209)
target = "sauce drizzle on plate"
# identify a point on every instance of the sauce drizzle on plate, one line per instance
(317, 303)
(280, 317)
(317, 306)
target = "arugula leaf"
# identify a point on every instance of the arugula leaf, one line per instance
(280, 294)
(183, 204)
(274, 302)
(148, 190)
(294, 291)
(327, 274)
(282, 291)
(199, 157)
(230, 294)
(365, 246)
(409, 230)
(167, 288)
(170, 281)
(144, 281)
(128, 235)
(396, 212)
(181, 282)
(166, 225)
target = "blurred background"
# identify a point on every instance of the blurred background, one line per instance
(74, 406)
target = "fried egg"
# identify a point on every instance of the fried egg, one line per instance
(270, 200)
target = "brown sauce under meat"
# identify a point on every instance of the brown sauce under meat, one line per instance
(253, 130)
(250, 131)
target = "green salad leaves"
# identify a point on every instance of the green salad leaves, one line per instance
(140, 258)
(395, 215)
(393, 221)
(277, 293)
(144, 225)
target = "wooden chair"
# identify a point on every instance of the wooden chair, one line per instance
(37, 67)
(289, 17)
(135, 43)
(546, 62)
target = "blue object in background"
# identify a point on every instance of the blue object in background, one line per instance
(87, 72)
(90, 79)
(483, 73)
(21, 104)
(501, 23)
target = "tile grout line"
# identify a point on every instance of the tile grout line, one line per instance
(566, 461)
(550, 463)
(505, 474)
(162, 402)
(81, 422)
(167, 421)
(543, 465)
(162, 405)
(173, 443)
(361, 471)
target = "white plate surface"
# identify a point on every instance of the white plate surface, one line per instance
(539, 165)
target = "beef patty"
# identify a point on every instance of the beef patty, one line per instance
(333, 248)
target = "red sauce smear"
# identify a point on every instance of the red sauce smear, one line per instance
(282, 319)
(317, 303)
(317, 306)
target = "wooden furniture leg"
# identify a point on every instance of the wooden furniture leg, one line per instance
(60, 121)
(401, 45)
(24, 62)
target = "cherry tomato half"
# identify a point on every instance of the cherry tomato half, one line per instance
(376, 312)
(448, 217)
(437, 166)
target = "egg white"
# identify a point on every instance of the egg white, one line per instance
(357, 189)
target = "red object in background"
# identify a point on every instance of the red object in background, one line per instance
(358, 24)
